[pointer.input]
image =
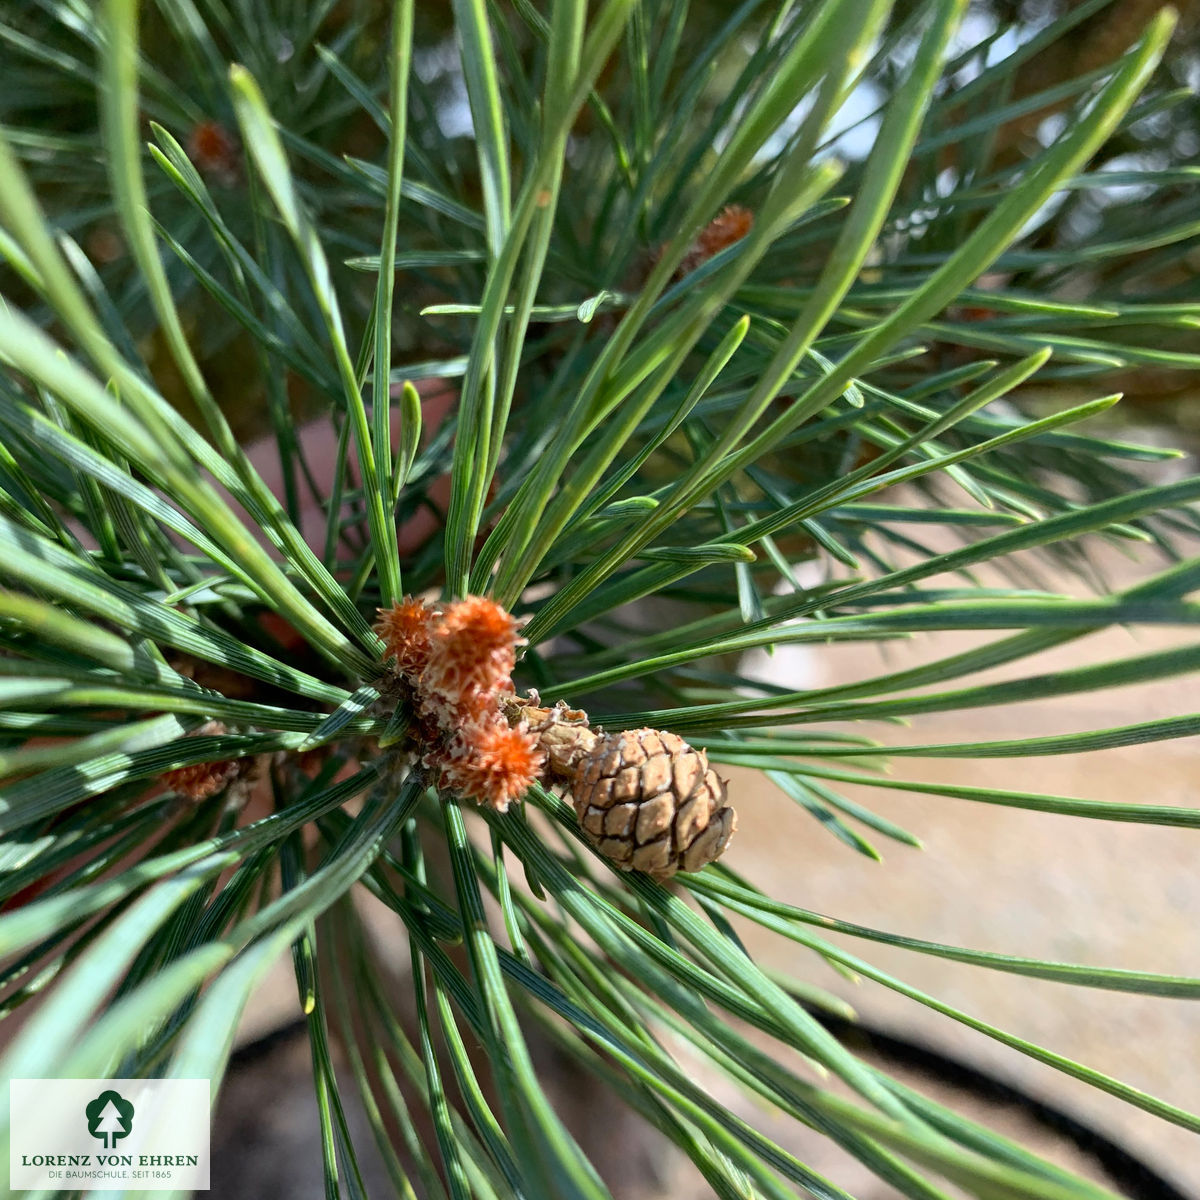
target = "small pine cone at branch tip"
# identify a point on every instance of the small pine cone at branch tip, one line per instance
(645, 799)
(650, 802)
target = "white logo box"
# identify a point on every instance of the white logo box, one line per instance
(151, 1136)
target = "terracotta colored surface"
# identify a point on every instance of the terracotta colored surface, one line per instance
(1015, 882)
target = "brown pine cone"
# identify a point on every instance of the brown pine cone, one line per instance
(649, 802)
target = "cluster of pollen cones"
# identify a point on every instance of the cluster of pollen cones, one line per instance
(645, 799)
(457, 661)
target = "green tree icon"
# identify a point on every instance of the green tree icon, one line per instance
(109, 1117)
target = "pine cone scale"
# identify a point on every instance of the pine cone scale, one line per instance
(692, 818)
(620, 850)
(688, 771)
(627, 784)
(654, 859)
(654, 818)
(656, 775)
(711, 843)
(620, 820)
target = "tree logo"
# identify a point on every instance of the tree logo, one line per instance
(109, 1117)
